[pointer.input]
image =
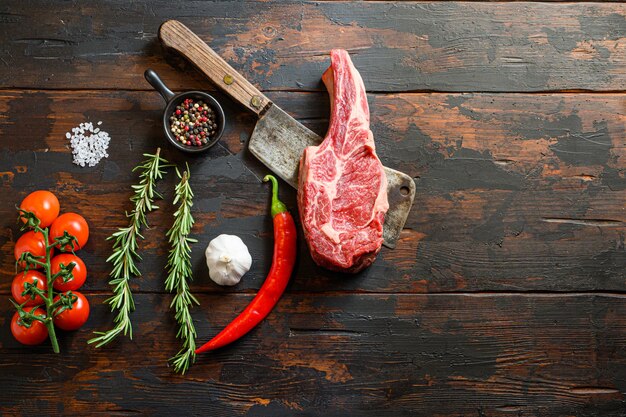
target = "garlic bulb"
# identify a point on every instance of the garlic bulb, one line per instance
(228, 259)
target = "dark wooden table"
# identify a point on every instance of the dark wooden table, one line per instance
(505, 295)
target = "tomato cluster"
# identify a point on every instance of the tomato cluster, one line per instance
(66, 272)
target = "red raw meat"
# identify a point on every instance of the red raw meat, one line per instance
(342, 193)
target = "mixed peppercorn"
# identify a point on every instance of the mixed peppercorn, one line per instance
(193, 123)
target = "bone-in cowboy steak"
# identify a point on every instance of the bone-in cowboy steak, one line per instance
(342, 193)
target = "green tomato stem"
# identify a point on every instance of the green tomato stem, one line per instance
(53, 336)
(48, 300)
(39, 292)
(41, 264)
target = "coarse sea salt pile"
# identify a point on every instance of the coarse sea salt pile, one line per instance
(89, 145)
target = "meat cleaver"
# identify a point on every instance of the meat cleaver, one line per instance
(278, 139)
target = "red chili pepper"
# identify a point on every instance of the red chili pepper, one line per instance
(275, 283)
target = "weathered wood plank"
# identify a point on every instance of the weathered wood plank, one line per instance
(408, 46)
(515, 192)
(333, 355)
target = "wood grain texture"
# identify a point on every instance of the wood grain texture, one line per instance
(408, 46)
(338, 355)
(506, 294)
(514, 193)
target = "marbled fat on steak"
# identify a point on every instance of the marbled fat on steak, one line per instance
(342, 193)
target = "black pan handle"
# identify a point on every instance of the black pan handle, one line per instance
(158, 84)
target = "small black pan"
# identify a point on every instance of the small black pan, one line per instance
(172, 100)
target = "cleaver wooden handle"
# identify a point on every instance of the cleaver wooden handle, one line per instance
(175, 35)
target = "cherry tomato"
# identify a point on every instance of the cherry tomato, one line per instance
(42, 204)
(73, 319)
(17, 287)
(75, 225)
(32, 242)
(79, 272)
(33, 335)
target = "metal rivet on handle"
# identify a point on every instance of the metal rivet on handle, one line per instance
(228, 79)
(255, 101)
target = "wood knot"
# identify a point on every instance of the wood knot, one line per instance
(269, 31)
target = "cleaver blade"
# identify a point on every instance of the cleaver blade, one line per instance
(278, 141)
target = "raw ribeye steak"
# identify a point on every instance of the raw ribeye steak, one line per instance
(342, 192)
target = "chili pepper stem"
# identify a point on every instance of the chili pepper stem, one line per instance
(277, 205)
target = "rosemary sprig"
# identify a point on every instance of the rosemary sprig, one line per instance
(125, 256)
(180, 273)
